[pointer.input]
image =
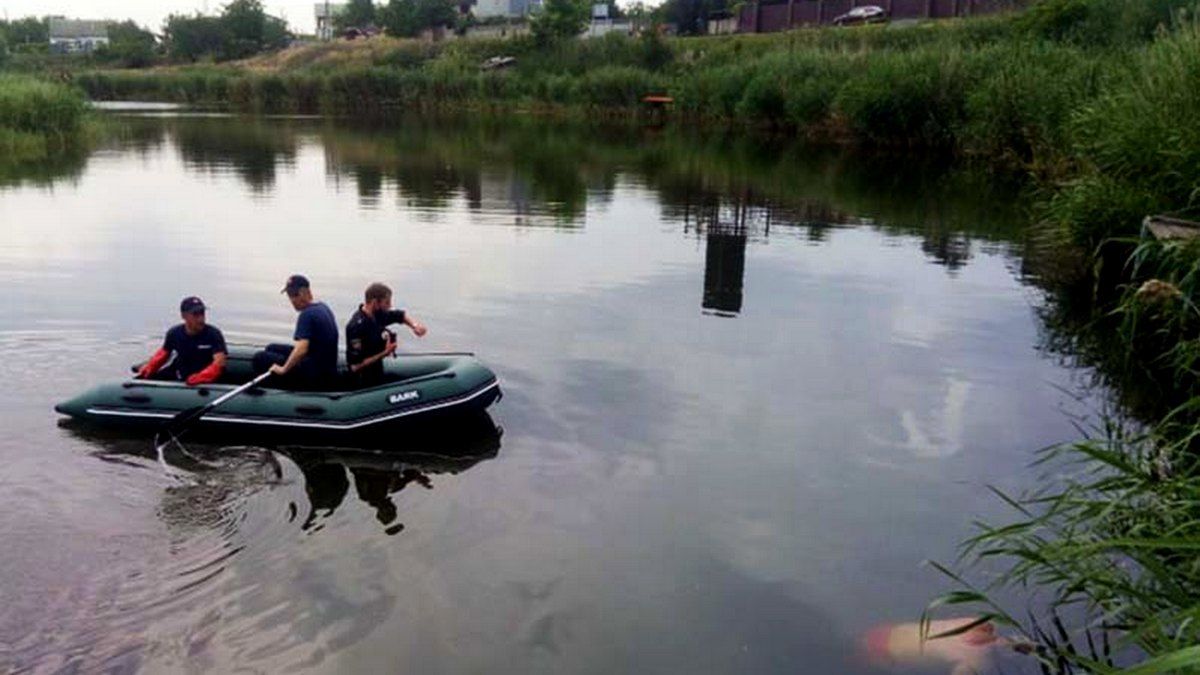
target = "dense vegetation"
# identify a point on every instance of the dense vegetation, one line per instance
(38, 119)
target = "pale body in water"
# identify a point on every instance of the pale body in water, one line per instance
(967, 653)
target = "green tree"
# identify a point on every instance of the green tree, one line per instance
(560, 20)
(275, 33)
(189, 38)
(399, 18)
(356, 14)
(243, 26)
(407, 18)
(29, 30)
(434, 13)
(691, 16)
(129, 44)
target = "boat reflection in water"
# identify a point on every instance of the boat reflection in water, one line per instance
(379, 475)
(216, 474)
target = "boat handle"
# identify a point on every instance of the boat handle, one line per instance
(136, 398)
(310, 410)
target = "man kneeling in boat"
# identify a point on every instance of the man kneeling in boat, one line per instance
(368, 341)
(199, 349)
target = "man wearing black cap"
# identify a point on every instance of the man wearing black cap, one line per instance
(312, 363)
(199, 349)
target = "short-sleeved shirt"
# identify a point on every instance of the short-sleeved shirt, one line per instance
(317, 325)
(193, 353)
(366, 336)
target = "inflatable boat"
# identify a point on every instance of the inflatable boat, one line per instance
(416, 389)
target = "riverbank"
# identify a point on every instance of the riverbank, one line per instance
(38, 119)
(1048, 91)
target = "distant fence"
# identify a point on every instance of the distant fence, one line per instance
(757, 17)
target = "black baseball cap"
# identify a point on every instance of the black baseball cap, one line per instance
(191, 304)
(295, 283)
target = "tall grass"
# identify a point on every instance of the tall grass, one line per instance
(37, 117)
(1114, 536)
(38, 107)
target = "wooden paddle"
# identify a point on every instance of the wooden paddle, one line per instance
(179, 423)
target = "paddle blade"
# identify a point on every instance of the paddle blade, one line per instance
(180, 421)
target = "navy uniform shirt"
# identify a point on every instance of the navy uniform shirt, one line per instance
(193, 353)
(317, 325)
(366, 336)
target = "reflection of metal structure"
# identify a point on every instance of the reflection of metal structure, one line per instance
(724, 271)
(729, 223)
(726, 228)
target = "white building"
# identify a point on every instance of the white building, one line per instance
(71, 36)
(513, 9)
(324, 13)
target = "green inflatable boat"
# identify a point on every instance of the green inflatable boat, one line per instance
(417, 389)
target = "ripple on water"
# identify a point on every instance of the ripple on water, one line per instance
(156, 594)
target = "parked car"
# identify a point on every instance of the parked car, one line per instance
(360, 32)
(860, 15)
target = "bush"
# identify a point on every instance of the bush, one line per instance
(616, 86)
(916, 98)
(1023, 99)
(40, 108)
(1140, 145)
(713, 92)
(1099, 23)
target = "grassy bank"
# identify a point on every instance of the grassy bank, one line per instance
(38, 118)
(1063, 90)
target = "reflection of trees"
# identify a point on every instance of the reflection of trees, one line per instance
(252, 149)
(951, 249)
(67, 165)
(544, 173)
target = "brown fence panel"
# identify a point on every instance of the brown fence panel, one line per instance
(806, 12)
(988, 6)
(746, 19)
(908, 9)
(942, 9)
(773, 19)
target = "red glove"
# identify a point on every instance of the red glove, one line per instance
(209, 374)
(160, 357)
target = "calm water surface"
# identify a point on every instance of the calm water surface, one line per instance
(749, 388)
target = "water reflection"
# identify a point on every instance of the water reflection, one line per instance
(221, 474)
(64, 167)
(735, 193)
(254, 149)
(377, 477)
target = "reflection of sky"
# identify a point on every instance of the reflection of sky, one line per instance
(665, 474)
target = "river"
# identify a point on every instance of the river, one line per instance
(749, 388)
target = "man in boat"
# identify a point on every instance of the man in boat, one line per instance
(368, 341)
(199, 349)
(312, 362)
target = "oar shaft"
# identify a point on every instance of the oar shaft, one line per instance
(234, 392)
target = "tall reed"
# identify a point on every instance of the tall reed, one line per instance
(37, 118)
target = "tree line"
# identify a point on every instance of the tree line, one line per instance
(243, 28)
